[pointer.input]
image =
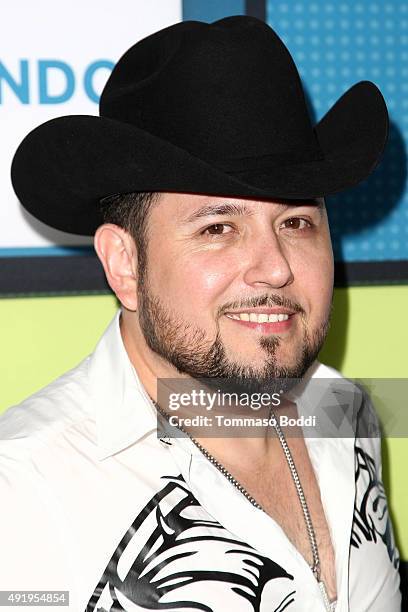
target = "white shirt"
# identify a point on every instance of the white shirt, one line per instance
(92, 502)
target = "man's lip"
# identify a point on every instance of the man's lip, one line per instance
(263, 310)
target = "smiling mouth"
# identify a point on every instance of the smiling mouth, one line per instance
(263, 319)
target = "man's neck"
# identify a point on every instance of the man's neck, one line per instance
(148, 365)
(247, 453)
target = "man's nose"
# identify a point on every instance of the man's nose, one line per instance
(267, 262)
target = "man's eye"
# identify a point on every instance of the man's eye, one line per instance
(217, 229)
(297, 223)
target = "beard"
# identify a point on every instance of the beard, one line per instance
(189, 350)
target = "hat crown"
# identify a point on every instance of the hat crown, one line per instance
(227, 92)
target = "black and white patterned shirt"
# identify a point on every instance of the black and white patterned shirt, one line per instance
(92, 502)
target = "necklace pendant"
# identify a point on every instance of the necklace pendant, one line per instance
(330, 607)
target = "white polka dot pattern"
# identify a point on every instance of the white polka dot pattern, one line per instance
(334, 45)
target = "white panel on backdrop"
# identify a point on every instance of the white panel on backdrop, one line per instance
(55, 58)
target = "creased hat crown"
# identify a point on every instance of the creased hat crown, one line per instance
(226, 92)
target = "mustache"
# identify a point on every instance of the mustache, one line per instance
(266, 300)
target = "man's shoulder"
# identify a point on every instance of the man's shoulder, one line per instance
(46, 413)
(38, 438)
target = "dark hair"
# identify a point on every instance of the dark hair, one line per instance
(130, 211)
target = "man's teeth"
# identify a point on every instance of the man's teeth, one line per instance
(258, 318)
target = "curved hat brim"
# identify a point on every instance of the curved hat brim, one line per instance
(64, 167)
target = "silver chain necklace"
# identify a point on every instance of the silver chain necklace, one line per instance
(315, 567)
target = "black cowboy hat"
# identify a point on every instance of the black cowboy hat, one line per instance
(199, 108)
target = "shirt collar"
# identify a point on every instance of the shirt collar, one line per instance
(123, 410)
(334, 400)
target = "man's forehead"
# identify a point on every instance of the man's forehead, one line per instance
(190, 207)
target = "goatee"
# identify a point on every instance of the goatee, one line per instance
(188, 349)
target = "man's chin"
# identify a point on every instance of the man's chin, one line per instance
(247, 378)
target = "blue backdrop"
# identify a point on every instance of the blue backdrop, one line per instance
(334, 45)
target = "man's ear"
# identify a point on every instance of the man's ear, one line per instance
(117, 251)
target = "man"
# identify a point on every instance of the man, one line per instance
(204, 184)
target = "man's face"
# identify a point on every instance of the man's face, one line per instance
(221, 270)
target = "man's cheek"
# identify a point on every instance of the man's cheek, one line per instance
(206, 282)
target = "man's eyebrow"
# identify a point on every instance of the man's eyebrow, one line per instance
(232, 209)
(218, 209)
